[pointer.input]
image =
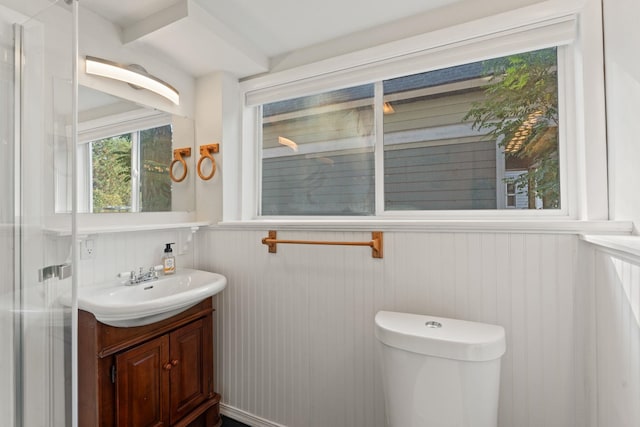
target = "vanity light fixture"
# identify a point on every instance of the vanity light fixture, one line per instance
(134, 75)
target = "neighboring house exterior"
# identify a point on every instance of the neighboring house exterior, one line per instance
(517, 198)
(318, 150)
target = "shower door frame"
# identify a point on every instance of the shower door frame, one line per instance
(18, 367)
(19, 231)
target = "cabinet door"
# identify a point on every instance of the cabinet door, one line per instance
(191, 376)
(142, 385)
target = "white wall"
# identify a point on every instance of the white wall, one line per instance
(217, 121)
(612, 377)
(622, 63)
(295, 336)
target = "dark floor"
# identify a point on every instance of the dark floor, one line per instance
(228, 422)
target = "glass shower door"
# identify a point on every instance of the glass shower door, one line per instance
(7, 401)
(36, 256)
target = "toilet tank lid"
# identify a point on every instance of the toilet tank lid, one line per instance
(453, 339)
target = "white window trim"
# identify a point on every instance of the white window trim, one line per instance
(119, 124)
(553, 23)
(509, 32)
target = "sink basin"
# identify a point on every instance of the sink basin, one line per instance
(116, 304)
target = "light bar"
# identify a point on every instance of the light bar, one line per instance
(113, 70)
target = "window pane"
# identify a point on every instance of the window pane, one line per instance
(155, 158)
(454, 137)
(111, 174)
(317, 154)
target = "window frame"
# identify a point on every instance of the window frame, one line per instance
(436, 50)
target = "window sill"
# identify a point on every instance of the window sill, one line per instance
(470, 226)
(194, 226)
(90, 224)
(626, 246)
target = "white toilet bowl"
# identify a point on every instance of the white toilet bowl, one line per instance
(439, 372)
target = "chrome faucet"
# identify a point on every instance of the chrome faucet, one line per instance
(141, 276)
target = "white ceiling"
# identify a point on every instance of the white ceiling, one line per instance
(241, 36)
(279, 26)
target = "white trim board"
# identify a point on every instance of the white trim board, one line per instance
(427, 52)
(245, 417)
(541, 226)
(627, 246)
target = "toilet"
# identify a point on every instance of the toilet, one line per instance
(439, 372)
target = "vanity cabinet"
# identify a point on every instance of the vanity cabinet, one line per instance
(153, 375)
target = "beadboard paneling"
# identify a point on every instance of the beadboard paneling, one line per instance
(119, 252)
(617, 338)
(295, 334)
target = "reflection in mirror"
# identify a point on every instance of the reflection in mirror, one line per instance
(124, 153)
(129, 171)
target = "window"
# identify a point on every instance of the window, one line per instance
(130, 172)
(478, 136)
(566, 170)
(517, 198)
(317, 154)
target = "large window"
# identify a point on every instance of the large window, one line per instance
(478, 136)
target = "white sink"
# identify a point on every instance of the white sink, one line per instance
(116, 304)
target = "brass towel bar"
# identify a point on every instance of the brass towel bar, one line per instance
(375, 243)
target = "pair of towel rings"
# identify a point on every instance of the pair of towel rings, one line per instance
(206, 152)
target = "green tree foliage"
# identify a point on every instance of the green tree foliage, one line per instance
(521, 111)
(111, 164)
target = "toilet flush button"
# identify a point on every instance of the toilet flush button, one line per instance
(433, 324)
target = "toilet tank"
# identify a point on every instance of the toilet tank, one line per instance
(439, 372)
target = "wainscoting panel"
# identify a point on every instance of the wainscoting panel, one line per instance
(120, 252)
(617, 336)
(295, 340)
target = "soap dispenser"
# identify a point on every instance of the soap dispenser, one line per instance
(168, 260)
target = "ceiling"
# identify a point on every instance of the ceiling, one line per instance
(243, 36)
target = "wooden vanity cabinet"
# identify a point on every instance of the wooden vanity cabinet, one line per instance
(148, 376)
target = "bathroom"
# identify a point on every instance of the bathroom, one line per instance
(294, 337)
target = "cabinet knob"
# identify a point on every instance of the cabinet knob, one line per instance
(170, 365)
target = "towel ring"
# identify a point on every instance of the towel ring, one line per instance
(205, 153)
(178, 154)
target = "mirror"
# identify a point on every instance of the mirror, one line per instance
(124, 154)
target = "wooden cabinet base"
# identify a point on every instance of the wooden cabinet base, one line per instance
(153, 375)
(206, 415)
